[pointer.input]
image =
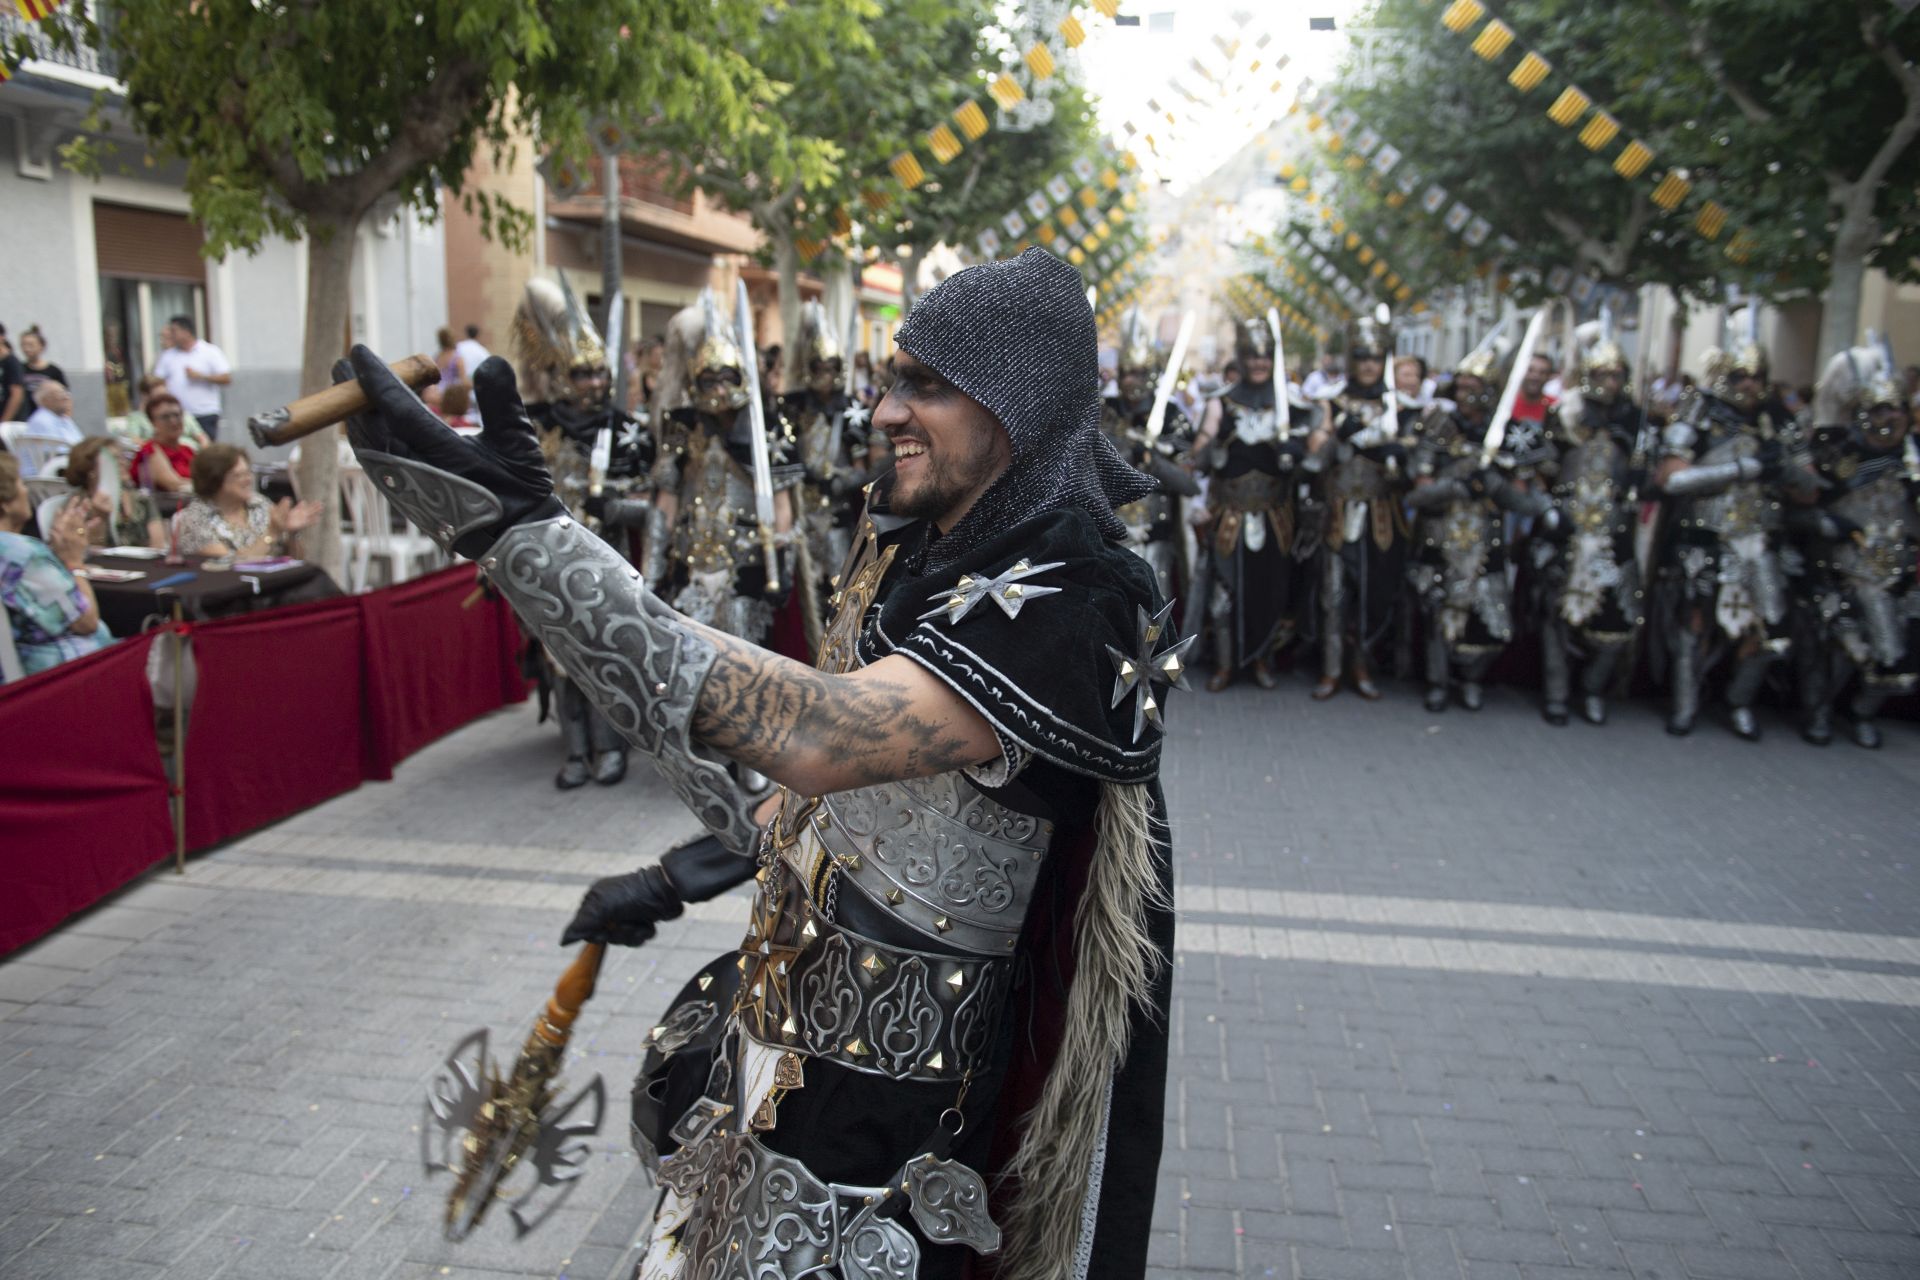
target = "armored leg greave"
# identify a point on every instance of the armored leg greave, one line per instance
(1556, 679)
(1474, 676)
(571, 709)
(1437, 667)
(1685, 675)
(1597, 678)
(609, 750)
(1748, 674)
(1865, 706)
(1333, 599)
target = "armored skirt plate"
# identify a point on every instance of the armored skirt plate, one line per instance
(740, 1211)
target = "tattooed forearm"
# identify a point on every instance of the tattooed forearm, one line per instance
(818, 732)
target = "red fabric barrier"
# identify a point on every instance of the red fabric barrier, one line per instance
(83, 799)
(434, 661)
(278, 721)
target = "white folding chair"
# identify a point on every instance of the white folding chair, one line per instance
(402, 551)
(11, 668)
(40, 455)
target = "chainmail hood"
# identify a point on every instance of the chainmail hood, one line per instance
(1018, 337)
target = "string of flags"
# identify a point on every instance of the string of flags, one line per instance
(1073, 213)
(1310, 284)
(1364, 146)
(1599, 129)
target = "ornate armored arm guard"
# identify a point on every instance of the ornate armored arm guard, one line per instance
(635, 658)
(1712, 478)
(638, 661)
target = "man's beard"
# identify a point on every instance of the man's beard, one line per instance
(945, 482)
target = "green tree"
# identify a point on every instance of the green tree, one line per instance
(1806, 112)
(1464, 128)
(1799, 116)
(297, 119)
(875, 92)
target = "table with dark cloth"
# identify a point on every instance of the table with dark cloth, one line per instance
(214, 593)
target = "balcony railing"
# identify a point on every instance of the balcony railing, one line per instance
(46, 48)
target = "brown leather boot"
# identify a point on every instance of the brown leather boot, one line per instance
(1263, 674)
(1363, 681)
(1220, 679)
(1327, 687)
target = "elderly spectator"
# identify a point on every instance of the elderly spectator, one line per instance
(165, 461)
(195, 371)
(229, 517)
(14, 404)
(52, 612)
(36, 369)
(133, 521)
(52, 420)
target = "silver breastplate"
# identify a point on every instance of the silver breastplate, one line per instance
(1256, 426)
(1743, 508)
(1882, 556)
(940, 856)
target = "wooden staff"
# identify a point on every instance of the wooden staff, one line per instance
(337, 403)
(508, 1120)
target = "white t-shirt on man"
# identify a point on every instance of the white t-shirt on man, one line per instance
(197, 398)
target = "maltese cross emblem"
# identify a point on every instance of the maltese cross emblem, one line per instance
(1141, 672)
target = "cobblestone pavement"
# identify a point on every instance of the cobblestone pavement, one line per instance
(1458, 996)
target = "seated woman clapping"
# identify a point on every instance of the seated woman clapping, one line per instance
(229, 517)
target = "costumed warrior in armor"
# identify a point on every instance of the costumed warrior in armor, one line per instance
(1589, 594)
(1727, 464)
(1248, 448)
(600, 458)
(1154, 528)
(1459, 572)
(944, 1033)
(1360, 448)
(828, 429)
(1859, 633)
(710, 558)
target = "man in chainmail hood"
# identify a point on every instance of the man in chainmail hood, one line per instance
(943, 1037)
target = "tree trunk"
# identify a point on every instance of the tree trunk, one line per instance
(329, 298)
(910, 278)
(786, 261)
(1853, 240)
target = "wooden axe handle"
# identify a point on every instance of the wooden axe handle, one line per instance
(338, 402)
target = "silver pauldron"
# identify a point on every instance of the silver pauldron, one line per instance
(442, 506)
(636, 660)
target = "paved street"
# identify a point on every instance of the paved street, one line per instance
(1458, 996)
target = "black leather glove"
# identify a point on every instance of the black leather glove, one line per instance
(504, 459)
(1350, 426)
(623, 911)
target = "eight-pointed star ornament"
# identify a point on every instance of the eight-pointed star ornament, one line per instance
(1138, 673)
(1009, 590)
